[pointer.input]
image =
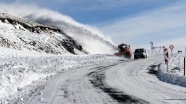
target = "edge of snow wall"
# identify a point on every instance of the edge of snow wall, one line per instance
(165, 76)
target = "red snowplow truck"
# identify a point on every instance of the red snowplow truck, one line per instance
(124, 50)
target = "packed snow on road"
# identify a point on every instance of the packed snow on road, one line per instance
(44, 64)
(34, 78)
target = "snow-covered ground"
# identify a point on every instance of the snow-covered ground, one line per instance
(175, 72)
(22, 72)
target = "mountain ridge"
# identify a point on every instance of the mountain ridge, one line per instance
(45, 33)
(63, 43)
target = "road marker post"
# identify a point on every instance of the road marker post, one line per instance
(166, 56)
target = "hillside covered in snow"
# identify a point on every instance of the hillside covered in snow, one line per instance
(24, 34)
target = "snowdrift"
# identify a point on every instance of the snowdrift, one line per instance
(174, 74)
(23, 72)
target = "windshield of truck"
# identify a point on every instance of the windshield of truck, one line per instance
(139, 50)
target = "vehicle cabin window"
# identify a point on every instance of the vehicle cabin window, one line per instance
(124, 46)
(139, 50)
(121, 47)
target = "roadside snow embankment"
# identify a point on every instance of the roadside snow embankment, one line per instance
(18, 73)
(175, 72)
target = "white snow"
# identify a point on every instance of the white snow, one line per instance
(22, 72)
(175, 72)
(22, 69)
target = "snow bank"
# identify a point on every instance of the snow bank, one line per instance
(21, 74)
(174, 74)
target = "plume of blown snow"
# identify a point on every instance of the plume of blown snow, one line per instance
(92, 40)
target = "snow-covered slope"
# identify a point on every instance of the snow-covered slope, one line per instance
(86, 36)
(22, 34)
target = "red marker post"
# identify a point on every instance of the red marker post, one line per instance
(166, 56)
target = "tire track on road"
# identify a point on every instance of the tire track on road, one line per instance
(98, 80)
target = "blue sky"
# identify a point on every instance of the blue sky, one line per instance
(97, 11)
(135, 22)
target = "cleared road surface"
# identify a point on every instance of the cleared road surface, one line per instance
(122, 82)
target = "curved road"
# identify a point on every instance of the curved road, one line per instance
(122, 82)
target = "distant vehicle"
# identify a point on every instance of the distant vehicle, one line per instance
(124, 50)
(140, 53)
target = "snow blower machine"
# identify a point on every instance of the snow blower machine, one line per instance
(124, 50)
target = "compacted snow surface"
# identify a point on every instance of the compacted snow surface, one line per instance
(33, 78)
